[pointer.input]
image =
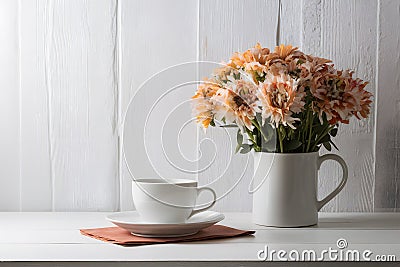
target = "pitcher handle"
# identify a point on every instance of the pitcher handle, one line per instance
(342, 183)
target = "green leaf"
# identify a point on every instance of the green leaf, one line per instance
(212, 123)
(268, 130)
(238, 146)
(239, 137)
(269, 146)
(259, 118)
(229, 126)
(334, 132)
(325, 139)
(327, 145)
(293, 144)
(290, 133)
(334, 145)
(245, 149)
(319, 128)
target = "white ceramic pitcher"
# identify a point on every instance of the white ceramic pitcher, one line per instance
(285, 188)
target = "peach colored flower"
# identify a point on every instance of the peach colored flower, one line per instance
(284, 54)
(237, 60)
(259, 53)
(237, 103)
(339, 96)
(283, 51)
(314, 66)
(363, 98)
(255, 70)
(255, 54)
(224, 73)
(280, 97)
(203, 107)
(278, 68)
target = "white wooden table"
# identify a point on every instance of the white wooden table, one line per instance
(54, 237)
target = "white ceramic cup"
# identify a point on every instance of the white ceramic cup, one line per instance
(168, 201)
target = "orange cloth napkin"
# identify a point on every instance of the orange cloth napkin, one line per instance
(120, 236)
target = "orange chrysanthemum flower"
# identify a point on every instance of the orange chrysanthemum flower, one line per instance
(283, 51)
(339, 96)
(284, 55)
(203, 108)
(253, 55)
(237, 103)
(280, 98)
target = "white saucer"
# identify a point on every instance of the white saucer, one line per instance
(132, 222)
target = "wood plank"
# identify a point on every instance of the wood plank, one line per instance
(348, 37)
(290, 23)
(154, 35)
(387, 146)
(80, 71)
(304, 236)
(311, 27)
(36, 179)
(53, 221)
(9, 107)
(238, 28)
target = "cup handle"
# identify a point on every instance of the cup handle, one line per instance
(342, 183)
(199, 190)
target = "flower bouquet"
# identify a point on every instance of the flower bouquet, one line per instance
(283, 101)
(289, 104)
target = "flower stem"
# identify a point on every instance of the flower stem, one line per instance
(250, 135)
(280, 139)
(303, 134)
(255, 123)
(310, 121)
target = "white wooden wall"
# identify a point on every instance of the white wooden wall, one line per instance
(68, 69)
(59, 102)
